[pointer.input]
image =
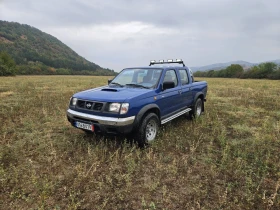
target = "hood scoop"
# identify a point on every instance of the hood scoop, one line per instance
(109, 90)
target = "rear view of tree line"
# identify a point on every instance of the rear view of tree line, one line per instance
(267, 70)
(8, 67)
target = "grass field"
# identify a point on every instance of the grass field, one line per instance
(228, 159)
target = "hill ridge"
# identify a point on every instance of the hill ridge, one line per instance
(219, 66)
(27, 44)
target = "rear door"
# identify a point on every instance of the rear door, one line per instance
(170, 100)
(186, 88)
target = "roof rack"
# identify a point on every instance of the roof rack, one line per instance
(180, 61)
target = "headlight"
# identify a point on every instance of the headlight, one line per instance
(114, 107)
(74, 101)
(119, 107)
(124, 108)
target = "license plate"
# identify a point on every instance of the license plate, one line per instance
(84, 126)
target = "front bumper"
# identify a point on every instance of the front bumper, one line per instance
(103, 124)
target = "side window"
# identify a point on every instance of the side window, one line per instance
(184, 77)
(170, 76)
(191, 73)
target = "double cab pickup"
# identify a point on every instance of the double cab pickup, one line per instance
(139, 100)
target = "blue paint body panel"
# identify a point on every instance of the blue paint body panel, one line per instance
(168, 101)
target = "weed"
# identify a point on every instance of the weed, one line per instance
(228, 159)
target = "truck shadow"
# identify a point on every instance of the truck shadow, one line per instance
(119, 141)
(108, 140)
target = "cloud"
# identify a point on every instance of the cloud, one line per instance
(122, 33)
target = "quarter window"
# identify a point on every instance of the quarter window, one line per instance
(184, 77)
(191, 73)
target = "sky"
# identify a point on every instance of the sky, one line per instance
(117, 34)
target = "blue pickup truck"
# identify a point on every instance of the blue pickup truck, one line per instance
(138, 100)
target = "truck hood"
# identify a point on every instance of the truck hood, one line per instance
(109, 94)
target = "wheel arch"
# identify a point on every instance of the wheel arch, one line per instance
(147, 109)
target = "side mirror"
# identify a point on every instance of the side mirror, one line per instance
(109, 81)
(168, 85)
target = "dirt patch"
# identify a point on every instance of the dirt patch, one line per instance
(23, 37)
(3, 39)
(5, 94)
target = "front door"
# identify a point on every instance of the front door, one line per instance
(170, 100)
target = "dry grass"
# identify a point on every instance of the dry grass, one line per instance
(228, 159)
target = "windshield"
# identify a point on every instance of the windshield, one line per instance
(137, 78)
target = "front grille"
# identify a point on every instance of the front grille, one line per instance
(90, 105)
(97, 106)
(81, 104)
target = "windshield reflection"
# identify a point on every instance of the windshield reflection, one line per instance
(137, 78)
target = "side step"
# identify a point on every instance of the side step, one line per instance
(175, 115)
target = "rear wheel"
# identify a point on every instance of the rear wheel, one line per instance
(147, 130)
(197, 109)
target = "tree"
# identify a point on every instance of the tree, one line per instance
(234, 71)
(210, 73)
(265, 69)
(7, 65)
(275, 74)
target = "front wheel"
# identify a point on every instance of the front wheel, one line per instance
(148, 129)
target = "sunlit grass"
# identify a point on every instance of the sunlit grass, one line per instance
(228, 159)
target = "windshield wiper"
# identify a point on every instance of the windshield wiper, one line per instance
(115, 83)
(137, 85)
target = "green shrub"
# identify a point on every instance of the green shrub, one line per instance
(7, 65)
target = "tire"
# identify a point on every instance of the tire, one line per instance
(147, 129)
(197, 110)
